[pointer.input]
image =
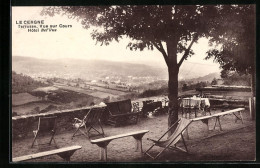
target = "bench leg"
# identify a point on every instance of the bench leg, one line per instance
(103, 150)
(103, 153)
(217, 121)
(239, 117)
(138, 146)
(206, 121)
(66, 155)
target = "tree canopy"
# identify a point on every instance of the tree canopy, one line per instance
(236, 35)
(147, 26)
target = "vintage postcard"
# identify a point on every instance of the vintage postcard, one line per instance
(133, 83)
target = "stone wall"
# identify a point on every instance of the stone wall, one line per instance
(23, 126)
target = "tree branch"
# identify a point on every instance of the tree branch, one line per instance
(161, 49)
(187, 51)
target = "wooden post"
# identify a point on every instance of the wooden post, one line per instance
(103, 153)
(138, 140)
(253, 108)
(250, 106)
(187, 133)
(138, 146)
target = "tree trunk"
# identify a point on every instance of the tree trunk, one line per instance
(173, 71)
(173, 97)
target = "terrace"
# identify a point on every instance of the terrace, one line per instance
(235, 142)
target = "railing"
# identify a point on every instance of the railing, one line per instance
(22, 126)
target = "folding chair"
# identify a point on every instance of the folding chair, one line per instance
(171, 141)
(46, 125)
(187, 107)
(88, 123)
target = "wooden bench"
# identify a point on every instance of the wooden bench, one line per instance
(64, 153)
(205, 119)
(103, 142)
(121, 112)
(234, 111)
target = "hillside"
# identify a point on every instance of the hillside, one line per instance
(92, 69)
(205, 78)
(84, 68)
(23, 83)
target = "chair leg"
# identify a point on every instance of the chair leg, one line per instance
(75, 132)
(52, 138)
(161, 152)
(99, 132)
(101, 128)
(34, 139)
(146, 152)
(83, 132)
(187, 133)
(184, 143)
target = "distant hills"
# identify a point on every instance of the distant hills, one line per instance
(205, 78)
(92, 69)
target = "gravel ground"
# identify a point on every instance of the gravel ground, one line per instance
(235, 143)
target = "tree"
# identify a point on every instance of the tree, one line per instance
(214, 81)
(184, 87)
(170, 29)
(237, 40)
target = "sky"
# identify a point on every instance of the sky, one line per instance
(76, 42)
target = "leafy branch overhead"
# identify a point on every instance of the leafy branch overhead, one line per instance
(152, 26)
(147, 26)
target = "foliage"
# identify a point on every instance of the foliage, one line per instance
(187, 87)
(146, 26)
(23, 83)
(235, 39)
(234, 78)
(214, 81)
(155, 92)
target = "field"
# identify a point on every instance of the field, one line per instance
(50, 99)
(23, 98)
(30, 107)
(95, 91)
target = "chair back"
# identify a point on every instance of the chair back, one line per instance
(93, 116)
(175, 137)
(125, 106)
(135, 106)
(47, 124)
(113, 108)
(186, 102)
